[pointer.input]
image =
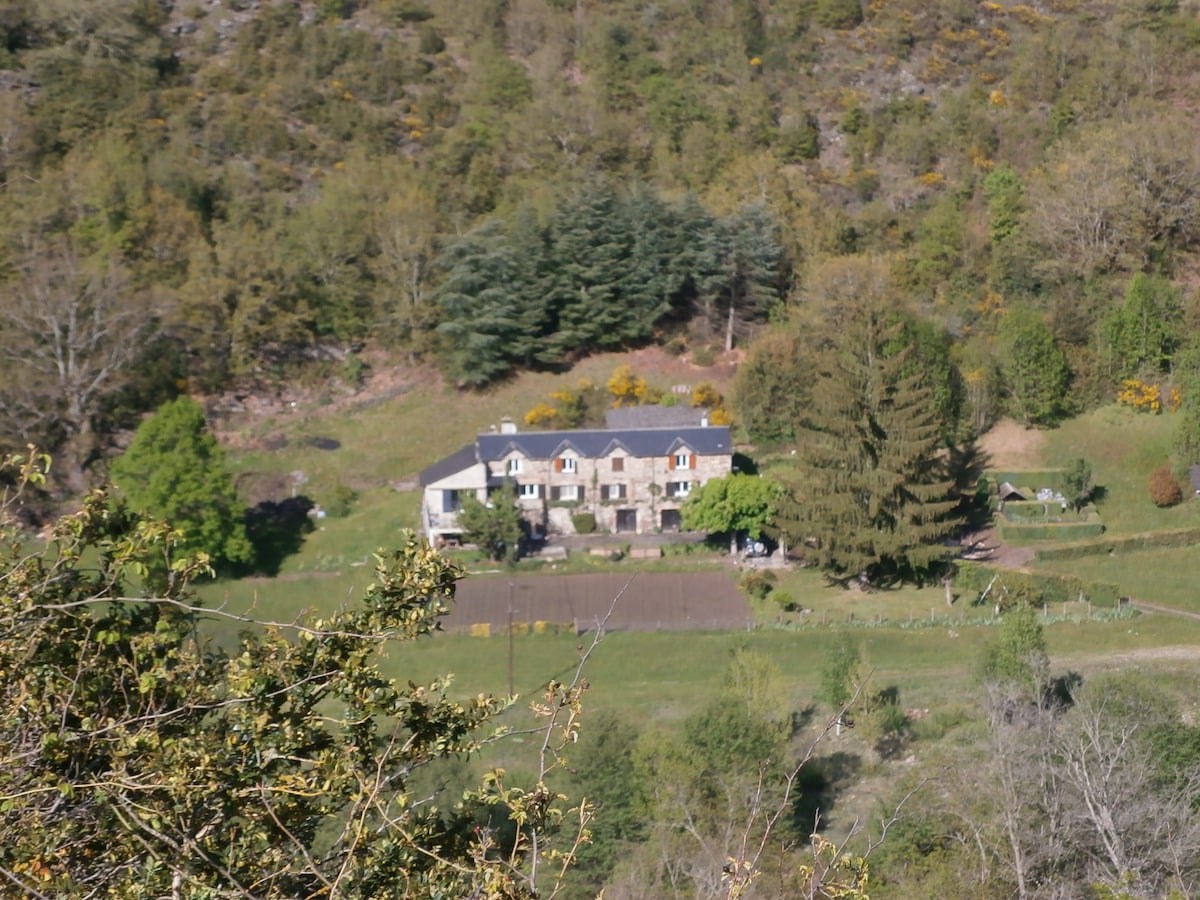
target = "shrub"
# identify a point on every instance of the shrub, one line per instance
(543, 415)
(340, 501)
(756, 584)
(585, 523)
(1037, 588)
(705, 394)
(430, 40)
(1164, 489)
(627, 388)
(785, 600)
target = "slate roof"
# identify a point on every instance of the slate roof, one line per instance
(626, 417)
(713, 440)
(449, 465)
(1008, 492)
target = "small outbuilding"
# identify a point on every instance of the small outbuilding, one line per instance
(1009, 492)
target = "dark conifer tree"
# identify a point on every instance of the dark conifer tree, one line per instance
(740, 270)
(649, 284)
(869, 492)
(482, 302)
(592, 245)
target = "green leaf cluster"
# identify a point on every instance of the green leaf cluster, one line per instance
(142, 760)
(175, 470)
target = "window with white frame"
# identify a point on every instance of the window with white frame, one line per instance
(614, 492)
(568, 492)
(514, 466)
(678, 488)
(529, 491)
(570, 465)
(683, 460)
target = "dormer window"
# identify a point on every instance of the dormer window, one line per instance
(683, 460)
(514, 466)
(566, 464)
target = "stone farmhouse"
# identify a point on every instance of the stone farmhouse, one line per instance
(633, 480)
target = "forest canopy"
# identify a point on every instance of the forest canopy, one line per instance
(201, 195)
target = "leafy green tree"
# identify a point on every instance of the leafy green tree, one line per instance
(841, 673)
(1003, 191)
(174, 469)
(771, 388)
(869, 492)
(1142, 334)
(1078, 483)
(1033, 368)
(602, 768)
(736, 504)
(142, 760)
(1018, 656)
(703, 792)
(1186, 440)
(496, 526)
(930, 359)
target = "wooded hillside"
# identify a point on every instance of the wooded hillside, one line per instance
(200, 192)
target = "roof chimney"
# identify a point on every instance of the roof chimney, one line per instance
(704, 419)
(507, 425)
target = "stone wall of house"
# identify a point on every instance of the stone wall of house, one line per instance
(592, 478)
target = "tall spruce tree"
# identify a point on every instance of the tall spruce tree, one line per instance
(869, 492)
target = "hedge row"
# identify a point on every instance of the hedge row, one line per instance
(1039, 512)
(972, 579)
(1012, 533)
(1150, 540)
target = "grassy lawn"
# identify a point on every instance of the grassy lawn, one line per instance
(663, 676)
(1167, 576)
(394, 438)
(1123, 448)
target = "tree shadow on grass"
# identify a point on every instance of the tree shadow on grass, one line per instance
(817, 788)
(966, 467)
(276, 529)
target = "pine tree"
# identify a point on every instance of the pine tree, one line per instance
(484, 302)
(869, 492)
(592, 246)
(740, 274)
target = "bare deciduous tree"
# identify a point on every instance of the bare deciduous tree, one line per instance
(70, 331)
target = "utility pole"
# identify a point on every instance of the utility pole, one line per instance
(510, 639)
